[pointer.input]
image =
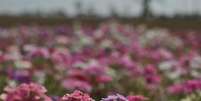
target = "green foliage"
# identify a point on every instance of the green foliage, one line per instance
(3, 83)
(54, 87)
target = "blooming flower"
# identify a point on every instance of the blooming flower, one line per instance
(26, 92)
(76, 96)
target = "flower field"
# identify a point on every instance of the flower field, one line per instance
(113, 62)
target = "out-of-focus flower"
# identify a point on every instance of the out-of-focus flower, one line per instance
(160, 37)
(151, 76)
(62, 40)
(136, 98)
(99, 73)
(62, 57)
(76, 79)
(22, 76)
(2, 58)
(73, 84)
(186, 87)
(39, 53)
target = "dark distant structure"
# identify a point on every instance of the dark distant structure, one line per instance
(91, 17)
(146, 13)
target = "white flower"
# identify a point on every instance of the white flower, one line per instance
(196, 62)
(167, 65)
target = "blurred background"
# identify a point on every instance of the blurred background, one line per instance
(93, 45)
(183, 13)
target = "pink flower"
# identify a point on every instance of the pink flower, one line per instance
(27, 92)
(61, 57)
(175, 89)
(165, 54)
(76, 96)
(185, 87)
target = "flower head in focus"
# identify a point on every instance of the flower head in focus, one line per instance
(76, 96)
(26, 92)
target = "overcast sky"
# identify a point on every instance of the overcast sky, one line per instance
(102, 7)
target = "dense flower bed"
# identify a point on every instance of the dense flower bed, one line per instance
(113, 62)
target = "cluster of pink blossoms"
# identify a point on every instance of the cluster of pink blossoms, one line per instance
(188, 86)
(26, 92)
(36, 92)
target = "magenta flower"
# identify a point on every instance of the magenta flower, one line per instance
(2, 58)
(151, 76)
(76, 96)
(175, 89)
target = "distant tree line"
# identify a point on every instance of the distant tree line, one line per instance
(91, 13)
